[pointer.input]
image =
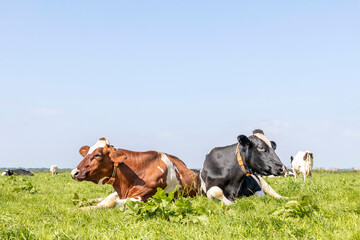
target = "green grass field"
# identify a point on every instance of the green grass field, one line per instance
(41, 207)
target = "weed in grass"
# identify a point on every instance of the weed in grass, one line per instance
(298, 209)
(83, 202)
(21, 184)
(162, 206)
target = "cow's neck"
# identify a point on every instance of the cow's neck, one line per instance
(238, 181)
(240, 159)
(113, 175)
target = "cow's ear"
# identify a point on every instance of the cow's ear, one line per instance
(311, 155)
(273, 145)
(305, 156)
(84, 150)
(291, 158)
(243, 140)
(115, 155)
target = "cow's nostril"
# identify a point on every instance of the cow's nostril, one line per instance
(74, 173)
(283, 169)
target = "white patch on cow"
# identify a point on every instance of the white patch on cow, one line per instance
(122, 202)
(161, 180)
(179, 174)
(161, 169)
(101, 181)
(171, 179)
(109, 201)
(98, 144)
(216, 192)
(202, 183)
(3, 173)
(136, 199)
(262, 137)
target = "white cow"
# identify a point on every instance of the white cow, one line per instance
(54, 169)
(302, 163)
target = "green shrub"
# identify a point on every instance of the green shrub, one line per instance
(21, 184)
(298, 209)
(163, 206)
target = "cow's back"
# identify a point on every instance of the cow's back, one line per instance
(152, 169)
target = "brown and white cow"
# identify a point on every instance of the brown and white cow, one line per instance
(134, 175)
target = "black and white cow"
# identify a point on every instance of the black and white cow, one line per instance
(232, 171)
(9, 172)
(302, 163)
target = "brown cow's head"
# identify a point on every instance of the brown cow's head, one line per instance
(98, 162)
(308, 156)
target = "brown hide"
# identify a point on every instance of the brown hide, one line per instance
(139, 174)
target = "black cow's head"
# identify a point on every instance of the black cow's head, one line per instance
(260, 155)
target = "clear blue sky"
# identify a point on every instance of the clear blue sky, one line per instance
(178, 76)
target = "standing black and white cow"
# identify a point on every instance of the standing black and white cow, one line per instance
(302, 163)
(232, 171)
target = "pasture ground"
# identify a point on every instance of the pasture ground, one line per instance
(41, 207)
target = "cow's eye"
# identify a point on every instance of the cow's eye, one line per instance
(261, 149)
(97, 156)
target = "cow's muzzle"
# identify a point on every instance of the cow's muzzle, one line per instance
(74, 173)
(283, 170)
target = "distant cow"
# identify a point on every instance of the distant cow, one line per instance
(302, 163)
(54, 170)
(19, 171)
(232, 172)
(134, 175)
(289, 173)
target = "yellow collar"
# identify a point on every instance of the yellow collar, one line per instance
(240, 160)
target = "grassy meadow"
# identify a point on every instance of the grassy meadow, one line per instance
(42, 207)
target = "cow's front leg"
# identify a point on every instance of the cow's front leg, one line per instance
(111, 201)
(216, 192)
(108, 202)
(304, 177)
(122, 202)
(268, 189)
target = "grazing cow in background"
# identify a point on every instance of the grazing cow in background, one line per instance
(134, 175)
(302, 163)
(54, 170)
(231, 172)
(289, 173)
(19, 171)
